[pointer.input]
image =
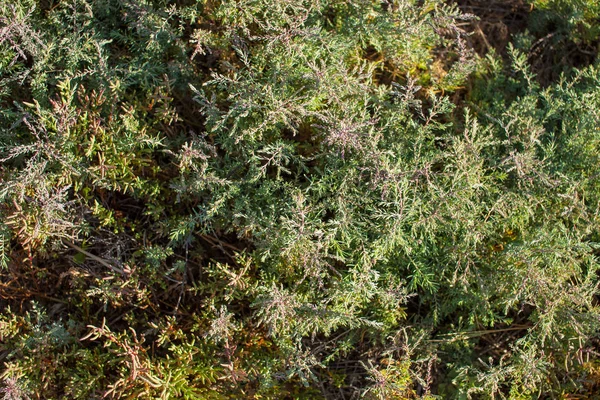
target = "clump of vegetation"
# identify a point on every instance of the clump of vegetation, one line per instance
(295, 199)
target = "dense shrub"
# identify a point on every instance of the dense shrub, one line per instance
(292, 199)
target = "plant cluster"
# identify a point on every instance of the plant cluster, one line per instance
(293, 199)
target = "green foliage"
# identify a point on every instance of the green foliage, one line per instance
(293, 199)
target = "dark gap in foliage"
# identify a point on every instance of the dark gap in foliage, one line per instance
(551, 58)
(498, 21)
(551, 50)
